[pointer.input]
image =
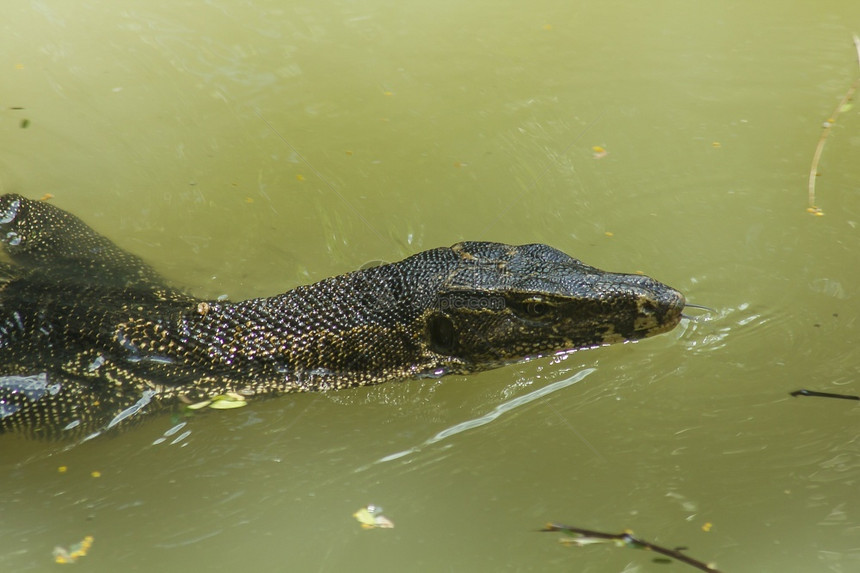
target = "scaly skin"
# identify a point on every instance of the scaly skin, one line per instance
(91, 337)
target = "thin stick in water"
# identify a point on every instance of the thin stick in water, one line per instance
(805, 392)
(813, 171)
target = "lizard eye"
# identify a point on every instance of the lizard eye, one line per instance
(533, 307)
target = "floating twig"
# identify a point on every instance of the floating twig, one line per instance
(825, 131)
(583, 536)
(805, 392)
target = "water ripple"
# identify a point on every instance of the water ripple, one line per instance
(709, 333)
(496, 412)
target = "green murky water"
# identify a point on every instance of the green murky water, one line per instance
(247, 147)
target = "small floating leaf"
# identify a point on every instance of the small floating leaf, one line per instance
(371, 517)
(383, 522)
(226, 405)
(227, 402)
(74, 552)
(599, 152)
(364, 517)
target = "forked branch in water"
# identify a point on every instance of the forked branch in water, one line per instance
(626, 538)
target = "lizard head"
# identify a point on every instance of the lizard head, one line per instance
(504, 303)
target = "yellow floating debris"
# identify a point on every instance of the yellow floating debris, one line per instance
(371, 517)
(74, 552)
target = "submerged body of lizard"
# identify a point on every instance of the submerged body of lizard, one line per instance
(90, 334)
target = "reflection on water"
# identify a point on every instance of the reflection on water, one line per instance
(247, 148)
(491, 415)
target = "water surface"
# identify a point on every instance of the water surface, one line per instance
(247, 147)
